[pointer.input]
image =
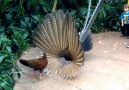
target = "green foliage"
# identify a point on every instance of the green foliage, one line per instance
(19, 41)
(16, 28)
(113, 12)
(18, 18)
(8, 67)
(6, 83)
(108, 16)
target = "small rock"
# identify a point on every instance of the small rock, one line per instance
(25, 52)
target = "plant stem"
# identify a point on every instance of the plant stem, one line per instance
(54, 6)
(4, 47)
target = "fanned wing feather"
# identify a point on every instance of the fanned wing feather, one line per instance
(57, 35)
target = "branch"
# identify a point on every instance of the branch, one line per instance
(54, 6)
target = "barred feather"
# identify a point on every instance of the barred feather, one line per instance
(57, 35)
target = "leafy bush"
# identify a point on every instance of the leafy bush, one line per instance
(8, 65)
(107, 19)
(16, 28)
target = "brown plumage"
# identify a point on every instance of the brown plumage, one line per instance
(58, 36)
(36, 64)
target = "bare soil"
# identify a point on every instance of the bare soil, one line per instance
(106, 68)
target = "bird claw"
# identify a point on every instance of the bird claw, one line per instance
(40, 76)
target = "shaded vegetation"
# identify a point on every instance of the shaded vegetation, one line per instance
(18, 18)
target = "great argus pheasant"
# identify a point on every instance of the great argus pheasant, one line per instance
(57, 35)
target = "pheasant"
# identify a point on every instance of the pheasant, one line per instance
(36, 64)
(57, 35)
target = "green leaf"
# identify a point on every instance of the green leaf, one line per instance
(9, 61)
(8, 49)
(35, 17)
(2, 57)
(23, 24)
(18, 70)
(4, 86)
(6, 83)
(9, 16)
(25, 35)
(2, 29)
(16, 42)
(1, 88)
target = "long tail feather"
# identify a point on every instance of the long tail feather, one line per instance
(85, 35)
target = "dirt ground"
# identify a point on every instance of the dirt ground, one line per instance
(106, 68)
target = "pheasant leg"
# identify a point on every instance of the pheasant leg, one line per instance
(32, 74)
(40, 76)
